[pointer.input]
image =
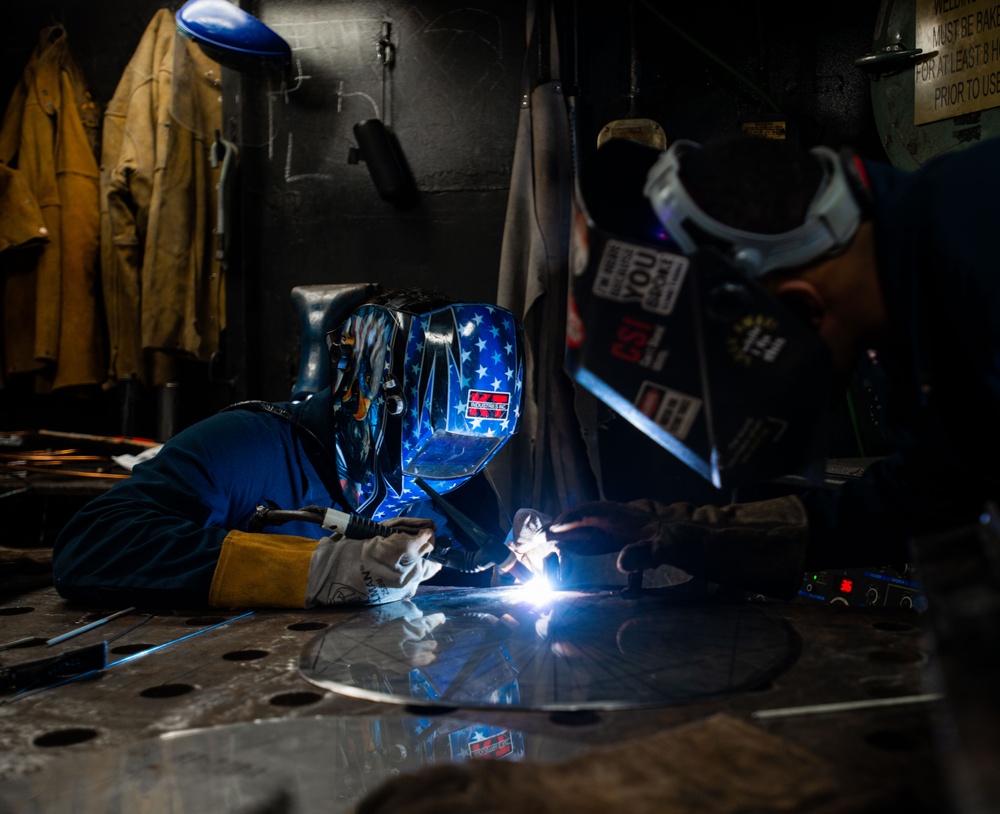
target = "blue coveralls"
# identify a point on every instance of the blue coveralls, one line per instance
(154, 539)
(937, 239)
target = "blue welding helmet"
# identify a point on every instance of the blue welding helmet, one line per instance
(231, 36)
(421, 395)
(679, 340)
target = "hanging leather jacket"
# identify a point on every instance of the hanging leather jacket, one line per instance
(163, 288)
(52, 324)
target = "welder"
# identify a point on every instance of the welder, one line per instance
(894, 271)
(234, 510)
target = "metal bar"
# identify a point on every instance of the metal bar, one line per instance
(70, 473)
(846, 706)
(146, 652)
(27, 694)
(19, 642)
(91, 626)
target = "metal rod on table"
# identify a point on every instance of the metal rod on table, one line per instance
(26, 640)
(845, 706)
(91, 626)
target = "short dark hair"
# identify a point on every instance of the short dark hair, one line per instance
(755, 184)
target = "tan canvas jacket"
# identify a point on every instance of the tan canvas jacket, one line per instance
(49, 209)
(163, 287)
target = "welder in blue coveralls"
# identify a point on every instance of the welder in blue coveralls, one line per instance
(897, 269)
(422, 388)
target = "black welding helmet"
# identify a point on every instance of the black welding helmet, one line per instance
(684, 344)
(431, 395)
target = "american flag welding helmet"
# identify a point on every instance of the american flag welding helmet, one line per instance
(421, 395)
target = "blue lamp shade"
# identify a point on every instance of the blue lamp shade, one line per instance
(231, 36)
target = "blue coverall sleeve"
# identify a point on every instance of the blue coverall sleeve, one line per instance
(155, 539)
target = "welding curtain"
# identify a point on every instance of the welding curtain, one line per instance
(545, 466)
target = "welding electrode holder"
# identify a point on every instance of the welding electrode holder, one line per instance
(489, 551)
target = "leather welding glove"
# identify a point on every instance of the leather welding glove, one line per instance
(373, 571)
(529, 543)
(758, 546)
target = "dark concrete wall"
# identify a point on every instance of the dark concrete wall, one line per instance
(452, 101)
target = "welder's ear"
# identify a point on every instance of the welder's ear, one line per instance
(803, 299)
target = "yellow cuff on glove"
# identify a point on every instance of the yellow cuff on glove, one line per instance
(262, 571)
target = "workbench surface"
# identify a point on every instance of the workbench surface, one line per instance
(244, 668)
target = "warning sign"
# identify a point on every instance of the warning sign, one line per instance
(959, 68)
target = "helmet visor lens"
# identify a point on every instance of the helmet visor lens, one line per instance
(445, 456)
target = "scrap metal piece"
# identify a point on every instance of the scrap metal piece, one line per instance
(43, 672)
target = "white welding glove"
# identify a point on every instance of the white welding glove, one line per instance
(373, 571)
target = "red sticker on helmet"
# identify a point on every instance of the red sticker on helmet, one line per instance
(487, 404)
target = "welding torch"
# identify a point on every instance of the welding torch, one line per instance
(488, 552)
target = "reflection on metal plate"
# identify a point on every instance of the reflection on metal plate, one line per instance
(287, 766)
(954, 64)
(501, 647)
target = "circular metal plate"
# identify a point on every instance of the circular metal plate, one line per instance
(500, 647)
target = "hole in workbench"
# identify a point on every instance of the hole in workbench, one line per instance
(295, 699)
(15, 611)
(166, 691)
(64, 737)
(127, 649)
(244, 655)
(202, 621)
(892, 740)
(894, 627)
(308, 626)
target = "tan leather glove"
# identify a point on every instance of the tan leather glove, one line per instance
(375, 571)
(758, 546)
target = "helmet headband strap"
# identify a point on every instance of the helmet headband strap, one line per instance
(831, 220)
